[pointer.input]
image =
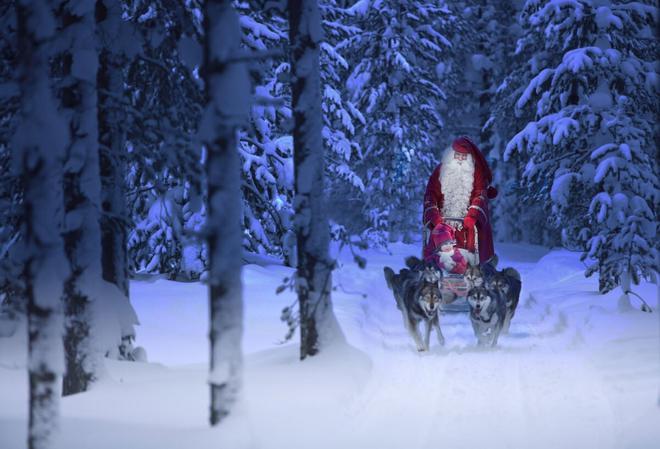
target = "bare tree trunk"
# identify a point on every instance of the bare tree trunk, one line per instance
(112, 140)
(227, 105)
(112, 163)
(82, 189)
(38, 150)
(314, 271)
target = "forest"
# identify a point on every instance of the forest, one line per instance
(188, 143)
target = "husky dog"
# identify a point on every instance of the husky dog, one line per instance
(508, 285)
(474, 277)
(418, 297)
(487, 314)
(479, 275)
(416, 264)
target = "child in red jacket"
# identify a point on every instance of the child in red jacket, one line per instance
(446, 255)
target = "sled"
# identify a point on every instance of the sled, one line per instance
(455, 283)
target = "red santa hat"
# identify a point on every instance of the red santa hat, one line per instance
(465, 145)
(462, 145)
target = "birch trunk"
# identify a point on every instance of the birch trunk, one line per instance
(37, 153)
(227, 103)
(314, 267)
(82, 188)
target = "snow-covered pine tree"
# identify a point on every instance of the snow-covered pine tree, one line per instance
(267, 150)
(463, 69)
(116, 50)
(341, 120)
(156, 239)
(227, 84)
(592, 91)
(621, 243)
(77, 69)
(518, 213)
(166, 204)
(489, 32)
(472, 70)
(265, 147)
(396, 82)
(38, 150)
(165, 100)
(318, 326)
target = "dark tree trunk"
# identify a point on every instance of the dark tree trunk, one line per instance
(113, 172)
(227, 105)
(314, 270)
(112, 157)
(112, 140)
(38, 150)
(78, 97)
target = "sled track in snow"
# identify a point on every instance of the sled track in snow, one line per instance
(459, 396)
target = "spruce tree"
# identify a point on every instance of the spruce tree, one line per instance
(164, 99)
(396, 81)
(592, 152)
(265, 146)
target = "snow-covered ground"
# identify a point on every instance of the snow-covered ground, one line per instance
(574, 372)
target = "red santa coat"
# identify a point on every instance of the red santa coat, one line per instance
(478, 206)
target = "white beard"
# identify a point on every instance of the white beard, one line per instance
(456, 183)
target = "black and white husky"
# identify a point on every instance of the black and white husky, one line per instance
(418, 297)
(487, 314)
(477, 275)
(508, 285)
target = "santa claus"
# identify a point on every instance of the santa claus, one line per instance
(457, 194)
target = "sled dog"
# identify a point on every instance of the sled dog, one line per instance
(479, 274)
(474, 277)
(507, 284)
(487, 314)
(417, 293)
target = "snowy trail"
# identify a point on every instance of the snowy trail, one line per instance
(573, 373)
(529, 392)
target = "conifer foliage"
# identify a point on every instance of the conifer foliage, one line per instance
(592, 94)
(396, 83)
(180, 138)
